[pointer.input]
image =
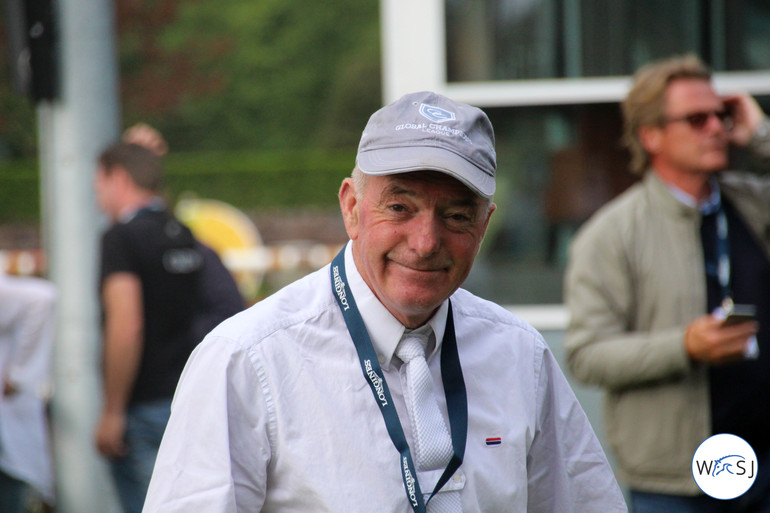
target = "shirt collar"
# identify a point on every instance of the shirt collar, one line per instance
(706, 206)
(155, 204)
(384, 329)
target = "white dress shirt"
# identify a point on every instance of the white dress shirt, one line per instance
(27, 322)
(273, 414)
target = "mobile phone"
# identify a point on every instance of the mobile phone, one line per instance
(740, 314)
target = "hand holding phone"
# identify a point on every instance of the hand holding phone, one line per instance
(735, 314)
(740, 314)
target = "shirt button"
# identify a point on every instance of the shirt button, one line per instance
(381, 359)
(457, 478)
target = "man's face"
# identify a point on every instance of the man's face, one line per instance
(685, 146)
(415, 236)
(105, 186)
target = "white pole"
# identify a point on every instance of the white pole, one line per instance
(413, 47)
(73, 129)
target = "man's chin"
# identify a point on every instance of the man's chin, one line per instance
(717, 163)
(417, 298)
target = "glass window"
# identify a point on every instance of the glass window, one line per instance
(617, 37)
(498, 39)
(559, 163)
(540, 39)
(556, 166)
(746, 29)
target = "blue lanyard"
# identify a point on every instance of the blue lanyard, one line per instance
(451, 376)
(723, 255)
(720, 269)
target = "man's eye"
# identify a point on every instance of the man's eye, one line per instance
(397, 208)
(460, 218)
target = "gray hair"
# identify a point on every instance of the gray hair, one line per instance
(360, 179)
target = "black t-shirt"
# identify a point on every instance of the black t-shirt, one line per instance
(162, 252)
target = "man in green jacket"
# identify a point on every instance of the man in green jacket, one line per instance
(649, 280)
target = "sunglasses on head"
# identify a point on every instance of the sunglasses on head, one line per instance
(698, 120)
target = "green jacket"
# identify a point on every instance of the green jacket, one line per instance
(635, 280)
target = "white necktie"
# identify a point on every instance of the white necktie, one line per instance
(432, 442)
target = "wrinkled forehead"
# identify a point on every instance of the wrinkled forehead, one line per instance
(433, 185)
(436, 179)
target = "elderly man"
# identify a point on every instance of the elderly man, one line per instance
(376, 384)
(651, 277)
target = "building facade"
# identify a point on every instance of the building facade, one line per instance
(550, 74)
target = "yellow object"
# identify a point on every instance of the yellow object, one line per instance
(223, 228)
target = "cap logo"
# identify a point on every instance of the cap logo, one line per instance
(436, 114)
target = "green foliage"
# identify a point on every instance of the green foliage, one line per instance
(263, 75)
(248, 180)
(19, 191)
(260, 180)
(234, 75)
(262, 102)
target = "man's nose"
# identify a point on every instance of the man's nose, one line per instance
(425, 234)
(717, 123)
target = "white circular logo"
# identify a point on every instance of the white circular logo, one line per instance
(724, 466)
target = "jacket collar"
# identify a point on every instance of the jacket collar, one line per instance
(662, 197)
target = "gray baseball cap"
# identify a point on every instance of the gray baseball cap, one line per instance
(426, 131)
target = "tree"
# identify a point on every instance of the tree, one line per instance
(235, 75)
(243, 74)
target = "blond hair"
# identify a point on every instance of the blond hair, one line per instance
(645, 103)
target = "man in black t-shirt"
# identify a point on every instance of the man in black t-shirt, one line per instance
(154, 282)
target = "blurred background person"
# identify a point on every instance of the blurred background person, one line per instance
(220, 297)
(151, 290)
(646, 274)
(27, 320)
(147, 136)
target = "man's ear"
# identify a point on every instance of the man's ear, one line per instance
(651, 137)
(485, 225)
(492, 208)
(349, 207)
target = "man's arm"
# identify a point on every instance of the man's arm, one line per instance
(747, 116)
(123, 345)
(751, 128)
(600, 291)
(220, 464)
(566, 466)
(27, 311)
(603, 346)
(708, 340)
